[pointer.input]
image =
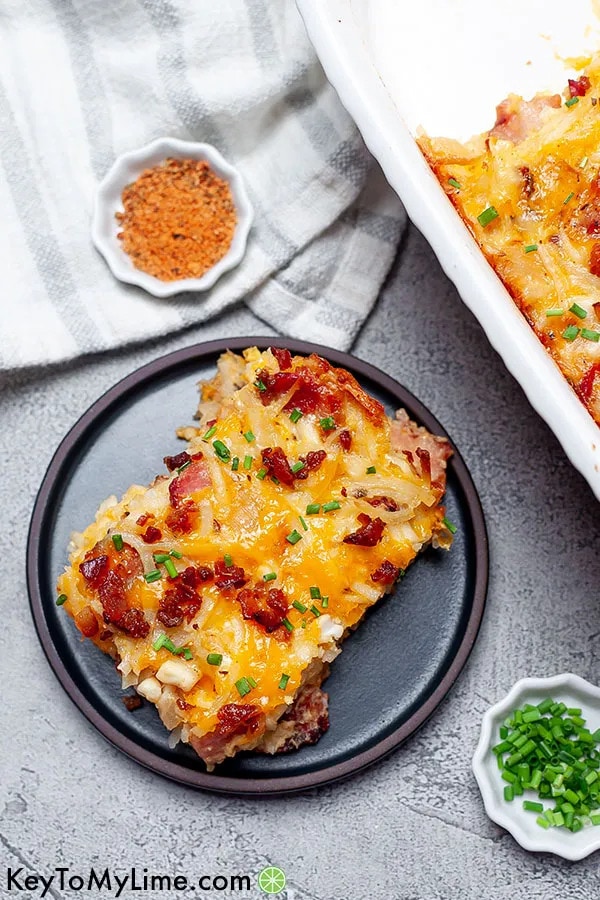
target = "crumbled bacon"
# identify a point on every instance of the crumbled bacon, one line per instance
(151, 535)
(113, 598)
(369, 534)
(345, 439)
(94, 568)
(86, 621)
(141, 521)
(310, 396)
(110, 577)
(528, 182)
(236, 717)
(192, 479)
(586, 385)
(312, 461)
(175, 462)
(180, 601)
(229, 576)
(128, 563)
(386, 573)
(267, 606)
(277, 465)
(283, 357)
(425, 460)
(275, 384)
(578, 87)
(183, 519)
(595, 260)
(132, 702)
(133, 623)
(183, 704)
(386, 502)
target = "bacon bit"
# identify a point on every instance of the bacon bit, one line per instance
(345, 439)
(216, 525)
(183, 704)
(94, 568)
(205, 573)
(131, 702)
(344, 492)
(554, 238)
(528, 181)
(312, 461)
(183, 519)
(86, 621)
(182, 600)
(129, 563)
(175, 462)
(143, 519)
(151, 535)
(596, 306)
(275, 384)
(238, 717)
(133, 623)
(229, 576)
(277, 465)
(112, 597)
(192, 479)
(595, 260)
(579, 87)
(105, 634)
(586, 385)
(283, 357)
(369, 534)
(386, 573)
(386, 502)
(425, 460)
(593, 228)
(267, 606)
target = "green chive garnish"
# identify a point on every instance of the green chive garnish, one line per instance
(260, 385)
(222, 450)
(449, 525)
(333, 504)
(176, 554)
(488, 215)
(303, 523)
(275, 480)
(261, 474)
(154, 575)
(315, 593)
(214, 659)
(313, 508)
(550, 313)
(62, 598)
(572, 101)
(228, 560)
(159, 642)
(530, 248)
(578, 310)
(270, 576)
(295, 415)
(209, 433)
(283, 682)
(249, 437)
(454, 183)
(251, 681)
(299, 606)
(293, 537)
(570, 332)
(182, 468)
(324, 602)
(316, 612)
(328, 423)
(235, 463)
(160, 557)
(170, 567)
(371, 470)
(248, 460)
(117, 540)
(187, 653)
(243, 686)
(297, 466)
(590, 335)
(286, 622)
(568, 198)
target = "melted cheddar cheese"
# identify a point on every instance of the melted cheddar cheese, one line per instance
(529, 191)
(283, 562)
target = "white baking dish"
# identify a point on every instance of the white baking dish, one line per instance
(443, 65)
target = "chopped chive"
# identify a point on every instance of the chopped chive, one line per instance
(62, 598)
(568, 198)
(250, 436)
(295, 415)
(154, 575)
(554, 313)
(324, 602)
(371, 470)
(176, 554)
(275, 480)
(235, 463)
(299, 606)
(544, 823)
(452, 528)
(248, 460)
(532, 806)
(117, 540)
(297, 466)
(531, 248)
(209, 433)
(170, 567)
(303, 523)
(228, 560)
(251, 681)
(570, 332)
(293, 537)
(283, 681)
(454, 183)
(572, 101)
(509, 793)
(590, 335)
(261, 473)
(316, 612)
(186, 653)
(286, 622)
(260, 385)
(315, 593)
(160, 641)
(333, 504)
(328, 423)
(222, 450)
(214, 659)
(243, 686)
(313, 508)
(270, 576)
(182, 468)
(488, 215)
(578, 310)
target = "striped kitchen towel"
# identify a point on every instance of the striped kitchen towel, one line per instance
(82, 81)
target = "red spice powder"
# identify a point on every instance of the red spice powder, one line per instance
(178, 220)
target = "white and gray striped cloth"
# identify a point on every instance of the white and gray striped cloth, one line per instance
(82, 81)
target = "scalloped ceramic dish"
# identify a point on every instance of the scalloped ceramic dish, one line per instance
(401, 66)
(126, 169)
(572, 690)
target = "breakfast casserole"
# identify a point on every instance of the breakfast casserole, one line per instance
(529, 191)
(223, 589)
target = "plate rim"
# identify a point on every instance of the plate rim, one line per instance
(276, 785)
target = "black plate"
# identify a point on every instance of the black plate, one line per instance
(393, 671)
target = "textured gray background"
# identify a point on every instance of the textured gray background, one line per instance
(411, 827)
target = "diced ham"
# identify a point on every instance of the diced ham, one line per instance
(516, 118)
(407, 437)
(191, 480)
(235, 720)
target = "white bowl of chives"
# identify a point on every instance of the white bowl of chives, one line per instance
(574, 692)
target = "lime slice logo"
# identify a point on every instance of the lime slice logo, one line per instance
(271, 880)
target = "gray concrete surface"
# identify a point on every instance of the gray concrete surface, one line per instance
(411, 827)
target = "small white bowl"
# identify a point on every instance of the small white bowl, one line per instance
(126, 169)
(572, 690)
